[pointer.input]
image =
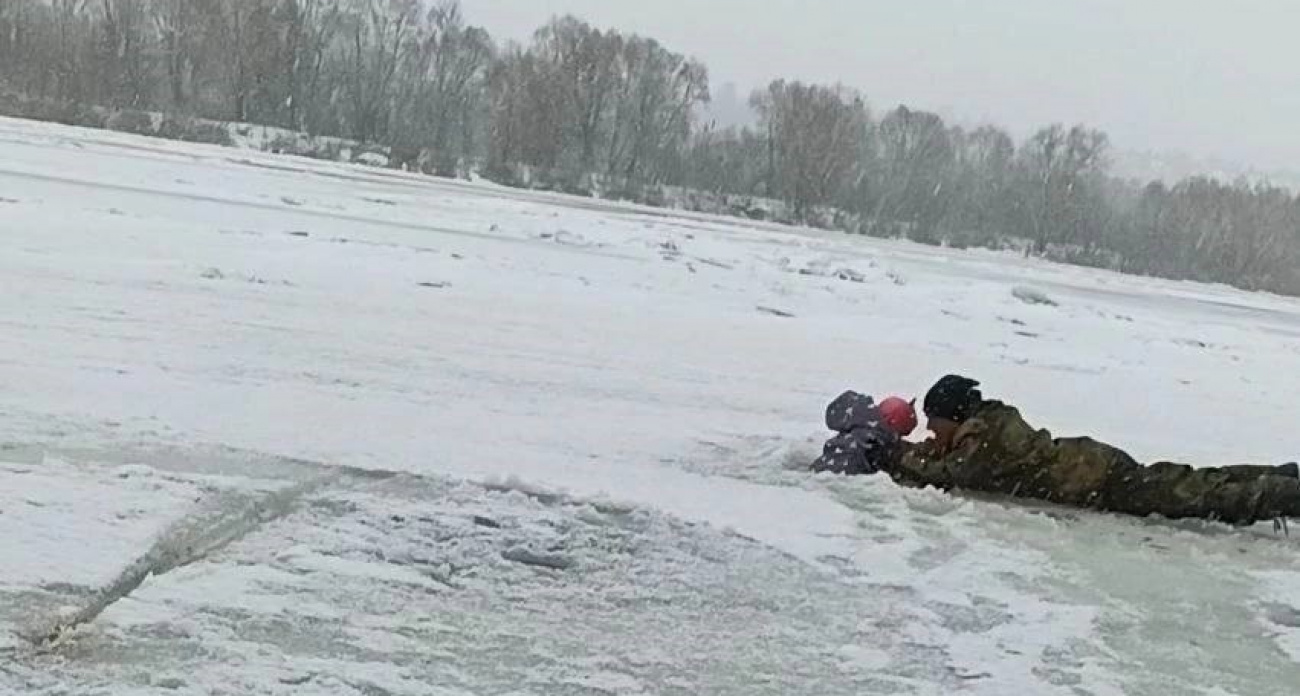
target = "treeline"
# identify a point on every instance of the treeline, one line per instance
(592, 111)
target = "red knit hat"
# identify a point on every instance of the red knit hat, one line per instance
(899, 415)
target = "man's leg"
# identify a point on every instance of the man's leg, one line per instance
(1177, 491)
(1262, 498)
(1248, 472)
(1237, 473)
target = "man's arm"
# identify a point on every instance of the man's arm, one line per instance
(925, 465)
(920, 466)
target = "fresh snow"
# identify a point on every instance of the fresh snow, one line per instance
(563, 443)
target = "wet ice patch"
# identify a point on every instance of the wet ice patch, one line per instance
(530, 489)
(1032, 296)
(77, 523)
(857, 658)
(1279, 609)
(342, 582)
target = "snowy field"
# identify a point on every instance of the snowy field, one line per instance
(426, 437)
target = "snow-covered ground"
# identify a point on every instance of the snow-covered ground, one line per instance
(425, 437)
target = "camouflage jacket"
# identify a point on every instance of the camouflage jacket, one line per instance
(996, 451)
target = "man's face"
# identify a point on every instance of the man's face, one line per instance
(944, 431)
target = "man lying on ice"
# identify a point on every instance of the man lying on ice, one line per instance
(983, 445)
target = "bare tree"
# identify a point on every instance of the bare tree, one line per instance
(527, 110)
(655, 110)
(73, 28)
(916, 151)
(175, 25)
(121, 54)
(443, 83)
(586, 69)
(981, 186)
(380, 33)
(1059, 167)
(25, 44)
(812, 133)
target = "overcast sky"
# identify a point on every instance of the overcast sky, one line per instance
(1206, 77)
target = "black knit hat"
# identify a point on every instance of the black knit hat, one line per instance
(953, 398)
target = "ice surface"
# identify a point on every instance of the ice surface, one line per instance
(187, 325)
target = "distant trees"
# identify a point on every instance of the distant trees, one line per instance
(595, 103)
(815, 137)
(444, 89)
(1061, 173)
(915, 172)
(586, 109)
(1241, 234)
(982, 188)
